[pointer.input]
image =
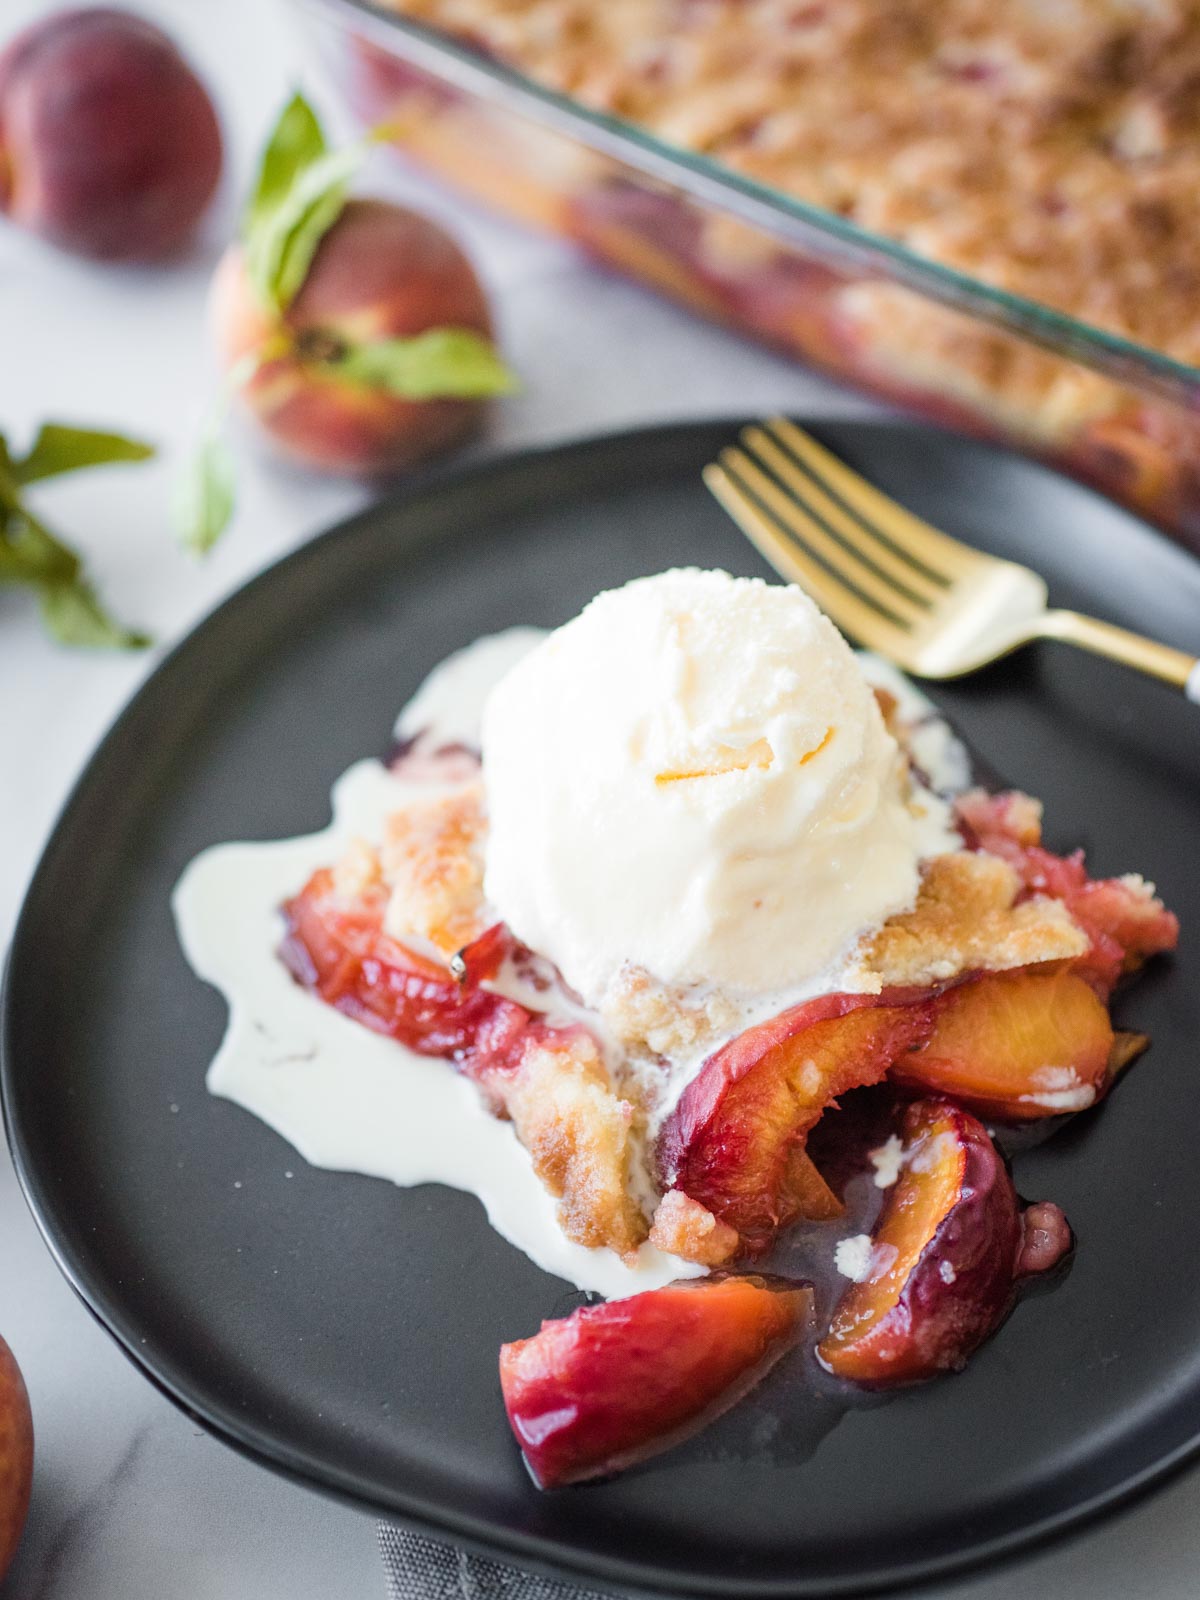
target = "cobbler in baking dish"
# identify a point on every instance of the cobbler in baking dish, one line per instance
(707, 876)
(1050, 150)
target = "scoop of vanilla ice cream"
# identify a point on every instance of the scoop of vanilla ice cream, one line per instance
(693, 777)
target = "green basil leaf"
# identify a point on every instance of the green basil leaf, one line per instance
(204, 496)
(296, 142)
(280, 249)
(29, 553)
(10, 494)
(73, 614)
(442, 363)
(59, 448)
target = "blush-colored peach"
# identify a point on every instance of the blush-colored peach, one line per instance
(381, 272)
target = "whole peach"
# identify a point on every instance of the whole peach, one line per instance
(109, 144)
(381, 272)
(16, 1456)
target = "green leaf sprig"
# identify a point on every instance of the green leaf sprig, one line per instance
(31, 556)
(441, 362)
(205, 494)
(300, 191)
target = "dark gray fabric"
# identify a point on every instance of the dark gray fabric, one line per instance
(421, 1569)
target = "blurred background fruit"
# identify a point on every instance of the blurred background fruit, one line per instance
(109, 144)
(16, 1456)
(381, 273)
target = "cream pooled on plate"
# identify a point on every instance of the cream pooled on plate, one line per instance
(693, 777)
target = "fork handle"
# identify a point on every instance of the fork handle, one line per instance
(1118, 644)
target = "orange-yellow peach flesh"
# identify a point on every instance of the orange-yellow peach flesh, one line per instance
(1017, 1045)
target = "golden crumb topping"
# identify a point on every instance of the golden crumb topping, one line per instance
(967, 919)
(685, 1228)
(432, 861)
(581, 1135)
(652, 1018)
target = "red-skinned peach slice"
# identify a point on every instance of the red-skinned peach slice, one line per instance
(735, 1140)
(613, 1384)
(944, 1257)
(338, 948)
(1016, 1045)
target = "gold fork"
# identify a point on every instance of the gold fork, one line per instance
(896, 584)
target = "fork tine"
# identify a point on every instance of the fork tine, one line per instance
(874, 555)
(797, 520)
(904, 533)
(787, 557)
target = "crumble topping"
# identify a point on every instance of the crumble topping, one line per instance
(967, 919)
(654, 1019)
(685, 1228)
(432, 861)
(357, 874)
(888, 1160)
(852, 1257)
(581, 1136)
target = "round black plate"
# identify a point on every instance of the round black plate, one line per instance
(345, 1331)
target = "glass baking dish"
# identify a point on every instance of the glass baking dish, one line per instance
(867, 310)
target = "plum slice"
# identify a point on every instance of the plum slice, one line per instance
(945, 1256)
(1017, 1046)
(734, 1142)
(613, 1384)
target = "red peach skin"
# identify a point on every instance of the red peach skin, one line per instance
(381, 272)
(1016, 1046)
(16, 1456)
(735, 1140)
(613, 1384)
(946, 1257)
(339, 949)
(109, 144)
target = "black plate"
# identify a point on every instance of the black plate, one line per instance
(345, 1331)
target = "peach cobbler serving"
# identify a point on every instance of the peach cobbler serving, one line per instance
(706, 877)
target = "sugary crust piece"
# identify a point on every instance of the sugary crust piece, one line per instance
(580, 1135)
(967, 919)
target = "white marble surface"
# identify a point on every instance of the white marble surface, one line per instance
(132, 1501)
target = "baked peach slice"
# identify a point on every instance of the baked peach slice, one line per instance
(944, 1259)
(735, 1141)
(336, 946)
(1016, 1046)
(613, 1384)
